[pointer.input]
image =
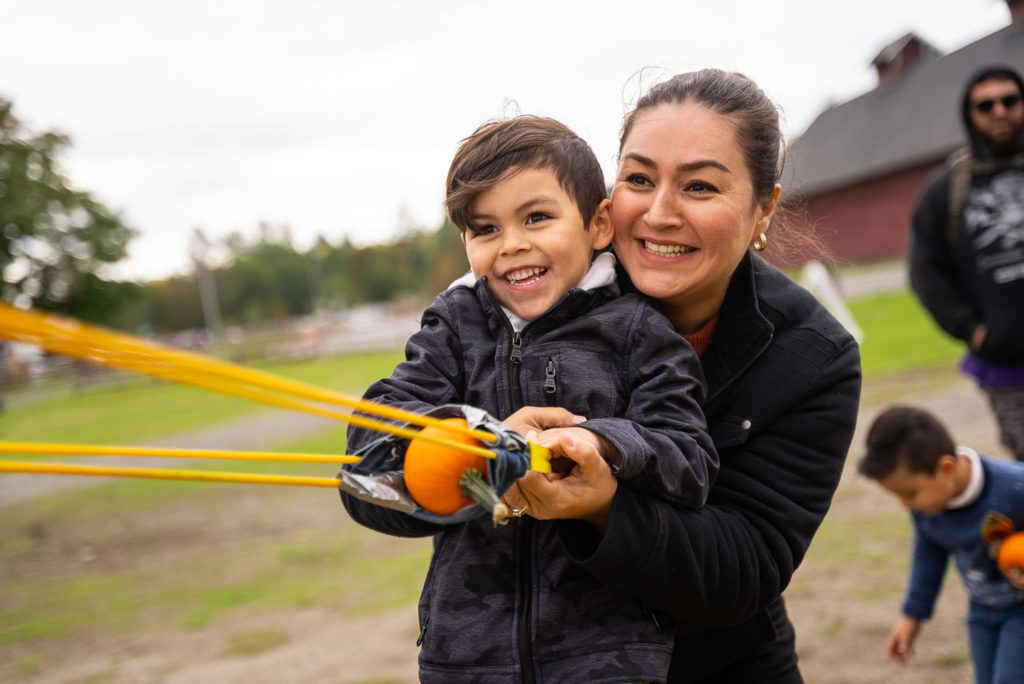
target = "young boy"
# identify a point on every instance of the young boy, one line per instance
(954, 496)
(538, 323)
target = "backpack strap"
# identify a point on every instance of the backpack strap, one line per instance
(960, 174)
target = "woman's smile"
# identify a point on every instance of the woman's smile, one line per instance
(666, 250)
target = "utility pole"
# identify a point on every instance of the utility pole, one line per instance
(198, 248)
(317, 284)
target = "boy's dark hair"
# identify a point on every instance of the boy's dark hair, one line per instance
(523, 142)
(907, 436)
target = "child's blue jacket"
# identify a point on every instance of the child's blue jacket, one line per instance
(959, 532)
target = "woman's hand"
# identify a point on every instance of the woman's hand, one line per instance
(562, 464)
(540, 418)
(585, 492)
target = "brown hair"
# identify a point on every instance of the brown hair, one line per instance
(523, 142)
(758, 134)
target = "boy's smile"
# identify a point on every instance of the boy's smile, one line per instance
(528, 238)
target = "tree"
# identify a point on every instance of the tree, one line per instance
(54, 238)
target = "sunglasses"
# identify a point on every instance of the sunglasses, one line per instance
(1008, 102)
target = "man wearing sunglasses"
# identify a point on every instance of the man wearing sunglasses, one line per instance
(967, 246)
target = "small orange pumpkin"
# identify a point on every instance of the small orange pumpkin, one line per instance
(432, 471)
(1011, 554)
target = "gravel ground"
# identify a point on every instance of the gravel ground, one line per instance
(841, 614)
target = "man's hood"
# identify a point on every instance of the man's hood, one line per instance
(980, 146)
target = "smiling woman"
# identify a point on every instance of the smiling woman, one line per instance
(694, 200)
(682, 191)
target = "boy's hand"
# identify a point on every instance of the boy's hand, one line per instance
(1016, 577)
(900, 645)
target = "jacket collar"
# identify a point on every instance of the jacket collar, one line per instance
(572, 305)
(600, 276)
(743, 332)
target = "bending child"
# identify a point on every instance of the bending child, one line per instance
(539, 323)
(958, 500)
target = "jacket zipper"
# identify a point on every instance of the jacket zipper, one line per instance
(550, 386)
(525, 610)
(423, 631)
(515, 362)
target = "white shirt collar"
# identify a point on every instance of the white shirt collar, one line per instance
(600, 274)
(974, 485)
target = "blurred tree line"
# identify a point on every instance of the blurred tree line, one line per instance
(266, 278)
(56, 239)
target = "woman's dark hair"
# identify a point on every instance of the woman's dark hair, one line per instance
(737, 97)
(761, 142)
(905, 436)
(523, 142)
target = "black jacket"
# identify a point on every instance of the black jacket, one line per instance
(783, 390)
(972, 272)
(506, 604)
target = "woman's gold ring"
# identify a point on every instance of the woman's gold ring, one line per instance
(518, 512)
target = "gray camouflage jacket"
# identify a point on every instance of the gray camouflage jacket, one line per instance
(506, 604)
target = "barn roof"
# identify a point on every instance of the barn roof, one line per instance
(892, 52)
(912, 121)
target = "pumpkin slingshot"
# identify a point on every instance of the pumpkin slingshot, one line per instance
(430, 469)
(440, 447)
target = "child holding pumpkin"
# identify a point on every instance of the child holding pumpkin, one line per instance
(962, 504)
(540, 323)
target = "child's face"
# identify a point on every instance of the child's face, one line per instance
(527, 236)
(921, 492)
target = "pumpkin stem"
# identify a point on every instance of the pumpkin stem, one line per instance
(475, 487)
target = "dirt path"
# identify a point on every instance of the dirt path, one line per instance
(842, 611)
(320, 646)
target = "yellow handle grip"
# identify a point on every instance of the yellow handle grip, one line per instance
(540, 458)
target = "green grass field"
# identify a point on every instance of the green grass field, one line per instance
(86, 560)
(81, 560)
(899, 336)
(142, 408)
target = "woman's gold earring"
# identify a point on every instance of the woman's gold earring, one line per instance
(760, 243)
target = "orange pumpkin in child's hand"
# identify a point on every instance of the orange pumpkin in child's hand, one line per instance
(1011, 555)
(432, 471)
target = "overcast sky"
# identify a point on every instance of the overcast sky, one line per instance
(340, 118)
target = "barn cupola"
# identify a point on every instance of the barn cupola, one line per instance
(900, 56)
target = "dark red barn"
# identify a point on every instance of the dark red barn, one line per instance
(859, 166)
